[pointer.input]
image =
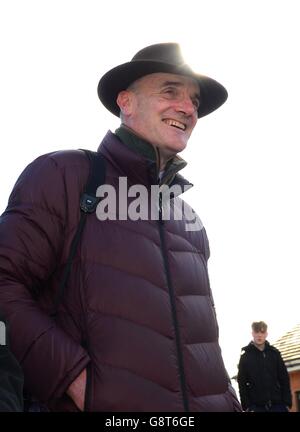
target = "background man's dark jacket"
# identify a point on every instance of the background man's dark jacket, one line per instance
(263, 377)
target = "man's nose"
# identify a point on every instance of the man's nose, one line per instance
(186, 106)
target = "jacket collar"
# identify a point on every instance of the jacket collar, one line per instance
(138, 167)
(152, 153)
(252, 346)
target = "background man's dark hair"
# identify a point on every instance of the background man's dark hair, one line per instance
(259, 326)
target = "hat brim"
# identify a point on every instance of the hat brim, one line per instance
(212, 93)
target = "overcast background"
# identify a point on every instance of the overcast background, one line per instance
(243, 159)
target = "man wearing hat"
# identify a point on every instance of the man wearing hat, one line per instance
(136, 330)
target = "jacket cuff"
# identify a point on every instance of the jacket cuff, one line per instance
(70, 377)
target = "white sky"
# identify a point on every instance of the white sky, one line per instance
(243, 159)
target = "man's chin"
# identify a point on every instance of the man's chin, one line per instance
(177, 146)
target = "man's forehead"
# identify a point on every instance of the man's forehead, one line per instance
(161, 79)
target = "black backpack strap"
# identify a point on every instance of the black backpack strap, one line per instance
(89, 201)
(88, 204)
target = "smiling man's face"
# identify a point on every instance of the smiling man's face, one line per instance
(162, 109)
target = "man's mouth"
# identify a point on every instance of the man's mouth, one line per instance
(175, 123)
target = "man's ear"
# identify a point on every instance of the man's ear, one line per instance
(124, 101)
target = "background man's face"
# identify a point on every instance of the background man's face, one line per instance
(164, 110)
(260, 337)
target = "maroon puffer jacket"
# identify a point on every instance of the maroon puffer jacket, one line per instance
(137, 311)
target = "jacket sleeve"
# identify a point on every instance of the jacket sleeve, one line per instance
(31, 241)
(11, 382)
(242, 383)
(284, 380)
(231, 391)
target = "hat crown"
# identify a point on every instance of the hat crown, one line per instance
(164, 52)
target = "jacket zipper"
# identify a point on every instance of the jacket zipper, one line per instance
(173, 307)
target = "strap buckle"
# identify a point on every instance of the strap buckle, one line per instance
(88, 203)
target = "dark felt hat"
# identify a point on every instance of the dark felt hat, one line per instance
(164, 57)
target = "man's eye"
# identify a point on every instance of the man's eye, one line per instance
(196, 103)
(170, 91)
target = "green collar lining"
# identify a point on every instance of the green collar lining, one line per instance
(147, 150)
